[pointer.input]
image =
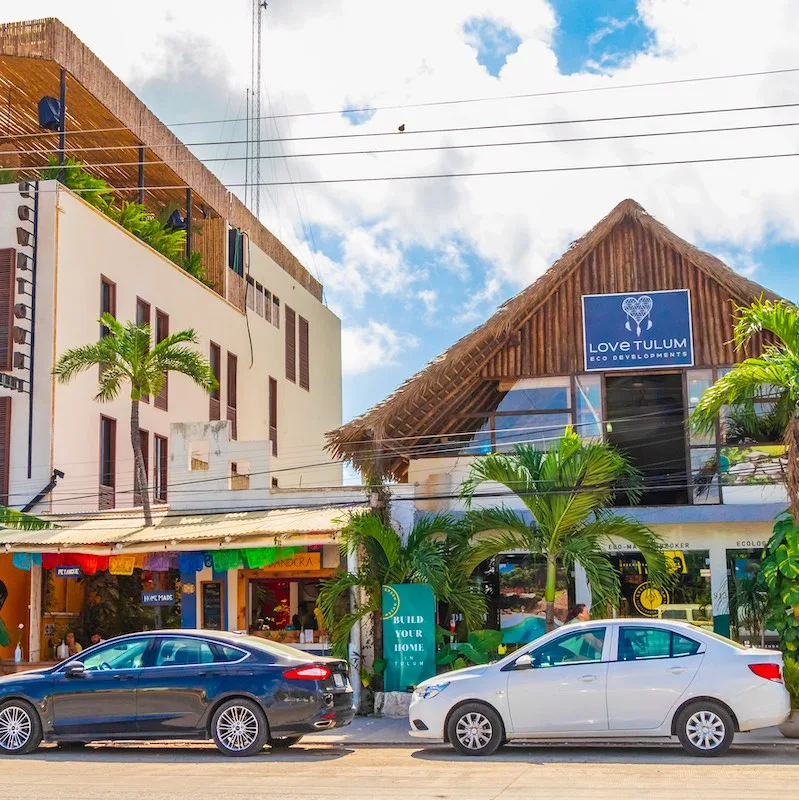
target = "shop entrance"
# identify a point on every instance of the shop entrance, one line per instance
(646, 416)
(282, 608)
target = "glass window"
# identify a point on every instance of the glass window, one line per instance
(539, 430)
(126, 654)
(182, 652)
(683, 646)
(575, 648)
(699, 381)
(539, 394)
(704, 474)
(228, 654)
(467, 443)
(641, 643)
(588, 395)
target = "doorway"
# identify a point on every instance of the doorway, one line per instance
(646, 416)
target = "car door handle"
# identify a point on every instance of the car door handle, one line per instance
(588, 678)
(676, 670)
(123, 677)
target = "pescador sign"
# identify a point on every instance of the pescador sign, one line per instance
(637, 330)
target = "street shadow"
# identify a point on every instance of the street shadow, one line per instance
(178, 753)
(614, 754)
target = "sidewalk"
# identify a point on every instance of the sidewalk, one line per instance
(375, 731)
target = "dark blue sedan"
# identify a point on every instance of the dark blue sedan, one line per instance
(243, 692)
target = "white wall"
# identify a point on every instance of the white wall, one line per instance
(77, 245)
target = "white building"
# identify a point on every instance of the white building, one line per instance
(274, 346)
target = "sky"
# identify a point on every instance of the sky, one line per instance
(410, 266)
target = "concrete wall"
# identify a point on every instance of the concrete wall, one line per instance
(76, 246)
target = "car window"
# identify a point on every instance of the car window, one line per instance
(183, 652)
(227, 654)
(639, 644)
(575, 648)
(126, 654)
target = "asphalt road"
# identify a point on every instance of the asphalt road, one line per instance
(332, 772)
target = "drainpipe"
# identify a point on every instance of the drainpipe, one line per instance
(355, 636)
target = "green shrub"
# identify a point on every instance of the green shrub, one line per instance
(791, 674)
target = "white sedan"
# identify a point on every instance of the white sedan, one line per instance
(608, 679)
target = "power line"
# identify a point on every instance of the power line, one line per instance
(432, 148)
(433, 103)
(459, 129)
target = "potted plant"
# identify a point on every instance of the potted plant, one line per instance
(790, 728)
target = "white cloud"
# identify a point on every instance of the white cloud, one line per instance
(743, 263)
(430, 299)
(371, 346)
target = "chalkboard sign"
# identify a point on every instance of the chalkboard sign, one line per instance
(212, 606)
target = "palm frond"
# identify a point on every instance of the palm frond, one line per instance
(602, 577)
(10, 518)
(778, 317)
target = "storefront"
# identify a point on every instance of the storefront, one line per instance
(255, 572)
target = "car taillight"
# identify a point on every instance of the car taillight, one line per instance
(769, 671)
(314, 672)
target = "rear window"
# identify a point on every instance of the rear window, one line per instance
(720, 638)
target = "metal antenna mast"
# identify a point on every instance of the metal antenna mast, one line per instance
(255, 184)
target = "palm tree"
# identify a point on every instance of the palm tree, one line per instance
(434, 553)
(774, 375)
(125, 356)
(567, 490)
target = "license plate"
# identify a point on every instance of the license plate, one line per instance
(338, 680)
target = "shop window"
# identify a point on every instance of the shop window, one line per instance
(537, 394)
(705, 475)
(538, 430)
(199, 456)
(239, 476)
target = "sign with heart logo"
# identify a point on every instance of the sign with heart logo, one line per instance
(637, 330)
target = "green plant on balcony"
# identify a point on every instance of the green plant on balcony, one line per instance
(74, 176)
(193, 264)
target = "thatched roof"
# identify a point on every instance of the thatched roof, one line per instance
(378, 441)
(32, 54)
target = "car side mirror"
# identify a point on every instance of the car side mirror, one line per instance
(524, 662)
(75, 670)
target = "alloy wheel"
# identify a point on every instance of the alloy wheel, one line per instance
(705, 730)
(15, 728)
(237, 728)
(474, 730)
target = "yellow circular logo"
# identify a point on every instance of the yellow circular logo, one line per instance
(391, 602)
(647, 599)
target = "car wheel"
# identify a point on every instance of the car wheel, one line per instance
(20, 728)
(286, 741)
(239, 728)
(475, 730)
(705, 729)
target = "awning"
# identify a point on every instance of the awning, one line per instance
(111, 532)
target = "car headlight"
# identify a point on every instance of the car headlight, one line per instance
(426, 692)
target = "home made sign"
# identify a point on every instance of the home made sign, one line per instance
(409, 639)
(637, 330)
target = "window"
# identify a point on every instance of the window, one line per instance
(539, 430)
(127, 654)
(5, 448)
(7, 296)
(108, 458)
(160, 469)
(273, 415)
(199, 456)
(291, 345)
(251, 294)
(572, 649)
(305, 377)
(239, 475)
(638, 644)
(267, 305)
(183, 652)
(214, 403)
(588, 406)
(144, 438)
(108, 302)
(276, 311)
(235, 251)
(161, 332)
(259, 299)
(143, 318)
(232, 378)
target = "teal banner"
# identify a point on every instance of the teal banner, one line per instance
(409, 637)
